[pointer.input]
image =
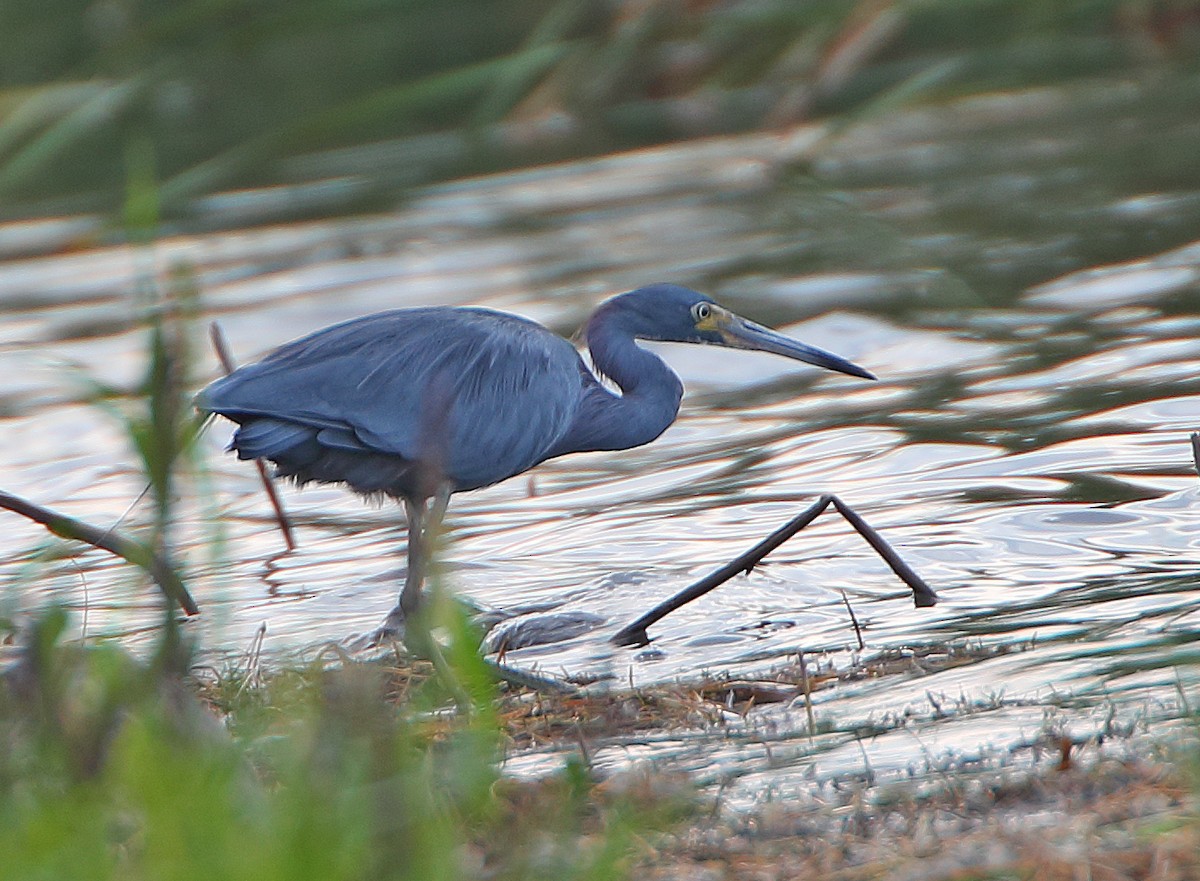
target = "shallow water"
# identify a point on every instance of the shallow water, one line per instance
(1028, 302)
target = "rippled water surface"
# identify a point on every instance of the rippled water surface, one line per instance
(1026, 294)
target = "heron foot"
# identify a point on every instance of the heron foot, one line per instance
(390, 634)
(401, 629)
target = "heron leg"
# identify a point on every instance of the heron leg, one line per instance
(424, 522)
(414, 578)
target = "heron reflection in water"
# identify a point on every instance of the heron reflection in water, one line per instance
(416, 404)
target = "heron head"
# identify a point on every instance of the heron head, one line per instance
(672, 313)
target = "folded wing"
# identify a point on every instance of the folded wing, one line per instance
(484, 394)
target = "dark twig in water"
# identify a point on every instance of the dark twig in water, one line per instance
(145, 558)
(923, 595)
(228, 365)
(1196, 450)
(854, 621)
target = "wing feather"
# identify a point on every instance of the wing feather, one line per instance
(506, 387)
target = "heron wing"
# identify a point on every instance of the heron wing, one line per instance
(491, 392)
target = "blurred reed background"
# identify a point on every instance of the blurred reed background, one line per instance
(349, 102)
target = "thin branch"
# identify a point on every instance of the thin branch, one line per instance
(923, 595)
(854, 621)
(635, 633)
(227, 363)
(140, 555)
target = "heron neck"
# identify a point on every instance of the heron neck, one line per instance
(650, 391)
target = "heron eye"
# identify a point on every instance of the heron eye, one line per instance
(701, 311)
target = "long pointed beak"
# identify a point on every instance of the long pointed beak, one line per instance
(742, 334)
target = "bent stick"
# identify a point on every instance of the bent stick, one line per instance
(923, 595)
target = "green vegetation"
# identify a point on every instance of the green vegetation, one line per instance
(120, 768)
(231, 94)
(117, 768)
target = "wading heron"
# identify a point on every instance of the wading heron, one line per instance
(417, 404)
